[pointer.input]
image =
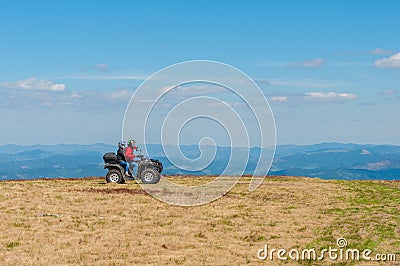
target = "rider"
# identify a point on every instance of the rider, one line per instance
(121, 156)
(130, 156)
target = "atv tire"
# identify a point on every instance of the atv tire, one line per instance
(157, 165)
(158, 168)
(114, 176)
(150, 176)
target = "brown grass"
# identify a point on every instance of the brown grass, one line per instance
(89, 222)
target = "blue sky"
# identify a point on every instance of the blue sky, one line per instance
(329, 69)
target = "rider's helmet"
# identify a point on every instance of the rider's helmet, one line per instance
(121, 144)
(131, 143)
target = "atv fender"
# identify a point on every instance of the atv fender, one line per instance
(115, 166)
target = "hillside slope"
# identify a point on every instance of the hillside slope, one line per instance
(324, 160)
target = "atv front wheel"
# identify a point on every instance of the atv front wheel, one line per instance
(114, 176)
(157, 165)
(150, 176)
(158, 168)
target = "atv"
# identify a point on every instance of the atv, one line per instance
(149, 170)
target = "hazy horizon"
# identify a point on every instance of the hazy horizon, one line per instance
(196, 144)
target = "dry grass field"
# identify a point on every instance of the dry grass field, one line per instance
(89, 222)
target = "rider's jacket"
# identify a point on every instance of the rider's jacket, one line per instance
(129, 153)
(121, 155)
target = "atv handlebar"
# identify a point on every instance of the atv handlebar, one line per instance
(140, 155)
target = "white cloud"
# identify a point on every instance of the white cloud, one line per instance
(365, 152)
(307, 83)
(261, 82)
(101, 67)
(279, 99)
(380, 51)
(103, 77)
(308, 97)
(389, 92)
(330, 96)
(75, 95)
(146, 101)
(33, 84)
(165, 89)
(121, 94)
(315, 63)
(364, 76)
(392, 61)
(193, 89)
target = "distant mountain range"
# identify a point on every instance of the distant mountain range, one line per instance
(324, 160)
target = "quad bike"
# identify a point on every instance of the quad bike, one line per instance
(149, 170)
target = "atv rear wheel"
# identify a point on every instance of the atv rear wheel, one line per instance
(114, 176)
(150, 176)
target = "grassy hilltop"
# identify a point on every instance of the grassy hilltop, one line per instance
(86, 221)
